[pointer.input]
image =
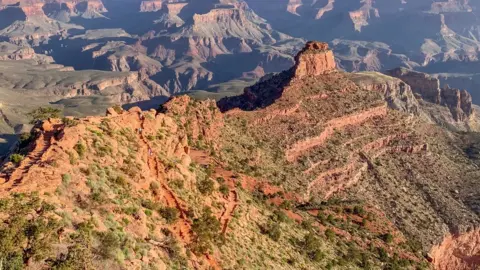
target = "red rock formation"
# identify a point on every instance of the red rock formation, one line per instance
(313, 60)
(459, 252)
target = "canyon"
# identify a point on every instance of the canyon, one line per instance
(357, 152)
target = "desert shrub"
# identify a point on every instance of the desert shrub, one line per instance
(322, 218)
(69, 122)
(154, 186)
(382, 254)
(388, 238)
(224, 189)
(177, 183)
(81, 149)
(310, 246)
(118, 180)
(286, 205)
(330, 234)
(358, 210)
(43, 113)
(272, 229)
(330, 219)
(206, 186)
(220, 180)
(25, 139)
(172, 248)
(16, 158)
(118, 109)
(307, 224)
(207, 231)
(280, 216)
(170, 214)
(110, 243)
(66, 178)
(149, 204)
(37, 235)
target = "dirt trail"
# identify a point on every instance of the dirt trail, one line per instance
(41, 146)
(182, 228)
(227, 215)
(232, 198)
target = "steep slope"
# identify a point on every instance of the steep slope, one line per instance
(348, 144)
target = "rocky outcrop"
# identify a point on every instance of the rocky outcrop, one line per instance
(459, 252)
(422, 84)
(220, 15)
(151, 6)
(175, 8)
(428, 88)
(313, 60)
(459, 102)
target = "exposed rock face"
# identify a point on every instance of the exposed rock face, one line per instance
(314, 59)
(424, 85)
(458, 101)
(458, 252)
(397, 93)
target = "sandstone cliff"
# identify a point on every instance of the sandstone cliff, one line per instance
(428, 88)
(313, 60)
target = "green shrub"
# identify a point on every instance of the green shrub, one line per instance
(280, 216)
(358, 210)
(16, 158)
(81, 149)
(118, 109)
(272, 229)
(69, 122)
(110, 243)
(206, 186)
(24, 239)
(382, 254)
(43, 113)
(330, 219)
(330, 234)
(388, 238)
(207, 229)
(66, 178)
(224, 189)
(311, 247)
(321, 218)
(286, 205)
(25, 139)
(170, 214)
